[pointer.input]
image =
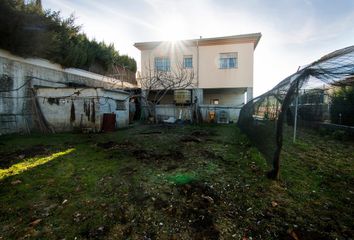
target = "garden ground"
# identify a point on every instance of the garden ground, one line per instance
(173, 182)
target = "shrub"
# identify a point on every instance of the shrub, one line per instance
(339, 135)
(342, 107)
(28, 31)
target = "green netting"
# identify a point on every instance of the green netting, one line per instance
(318, 94)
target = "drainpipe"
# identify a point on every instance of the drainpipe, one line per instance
(198, 62)
(198, 91)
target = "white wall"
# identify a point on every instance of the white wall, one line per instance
(226, 96)
(175, 51)
(110, 106)
(211, 76)
(15, 109)
(89, 105)
(170, 110)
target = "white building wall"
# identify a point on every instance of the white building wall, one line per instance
(109, 105)
(23, 74)
(211, 76)
(175, 51)
(171, 110)
(229, 97)
(89, 107)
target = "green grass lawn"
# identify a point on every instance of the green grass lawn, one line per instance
(173, 182)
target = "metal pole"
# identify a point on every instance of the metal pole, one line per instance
(196, 104)
(296, 107)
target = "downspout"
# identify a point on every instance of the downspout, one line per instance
(198, 100)
(197, 63)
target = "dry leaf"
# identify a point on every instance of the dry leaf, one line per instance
(35, 222)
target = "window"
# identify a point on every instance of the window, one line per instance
(188, 62)
(162, 64)
(215, 101)
(228, 60)
(120, 105)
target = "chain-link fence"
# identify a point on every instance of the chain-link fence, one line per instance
(319, 95)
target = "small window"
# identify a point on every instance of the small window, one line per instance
(228, 60)
(120, 105)
(188, 61)
(162, 64)
(215, 101)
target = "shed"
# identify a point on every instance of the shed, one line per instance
(65, 108)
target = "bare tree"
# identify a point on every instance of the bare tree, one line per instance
(155, 84)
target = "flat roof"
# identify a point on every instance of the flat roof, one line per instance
(242, 38)
(44, 63)
(82, 89)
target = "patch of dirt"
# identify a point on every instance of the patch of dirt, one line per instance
(292, 234)
(171, 167)
(94, 233)
(149, 156)
(190, 138)
(150, 132)
(160, 203)
(202, 133)
(107, 145)
(8, 159)
(112, 145)
(198, 136)
(138, 195)
(112, 213)
(212, 155)
(121, 231)
(188, 211)
(128, 171)
(198, 188)
(198, 209)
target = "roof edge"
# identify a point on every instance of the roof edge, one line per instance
(250, 37)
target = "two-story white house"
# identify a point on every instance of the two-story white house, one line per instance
(223, 68)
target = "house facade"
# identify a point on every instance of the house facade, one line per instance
(223, 70)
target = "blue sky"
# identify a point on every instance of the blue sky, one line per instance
(295, 32)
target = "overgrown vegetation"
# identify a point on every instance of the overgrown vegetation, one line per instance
(28, 31)
(189, 182)
(342, 107)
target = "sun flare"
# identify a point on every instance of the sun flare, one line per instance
(172, 29)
